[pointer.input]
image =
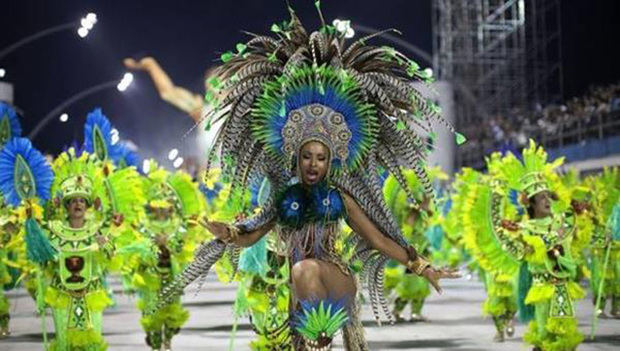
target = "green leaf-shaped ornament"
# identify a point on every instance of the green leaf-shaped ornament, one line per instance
(99, 144)
(460, 139)
(24, 180)
(227, 56)
(214, 83)
(241, 47)
(5, 130)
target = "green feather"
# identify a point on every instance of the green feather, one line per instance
(39, 249)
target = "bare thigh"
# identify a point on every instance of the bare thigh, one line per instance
(334, 283)
(337, 283)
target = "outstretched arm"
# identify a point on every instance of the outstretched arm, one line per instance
(232, 234)
(179, 97)
(362, 225)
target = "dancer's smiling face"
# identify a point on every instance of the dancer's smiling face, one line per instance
(314, 161)
(76, 207)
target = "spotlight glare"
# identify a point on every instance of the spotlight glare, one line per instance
(173, 154)
(178, 162)
(87, 24)
(114, 136)
(2, 72)
(82, 32)
(64, 117)
(146, 166)
(125, 82)
(91, 17)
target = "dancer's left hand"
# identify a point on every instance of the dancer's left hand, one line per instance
(433, 275)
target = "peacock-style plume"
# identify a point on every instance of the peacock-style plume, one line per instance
(9, 123)
(365, 91)
(24, 172)
(99, 138)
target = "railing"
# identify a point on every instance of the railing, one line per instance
(577, 132)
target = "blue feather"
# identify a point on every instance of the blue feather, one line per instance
(259, 190)
(615, 223)
(210, 194)
(292, 206)
(96, 119)
(128, 157)
(37, 166)
(513, 195)
(327, 205)
(447, 207)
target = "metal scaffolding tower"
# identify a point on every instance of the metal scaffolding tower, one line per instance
(495, 59)
(544, 52)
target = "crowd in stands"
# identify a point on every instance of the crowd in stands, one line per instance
(593, 115)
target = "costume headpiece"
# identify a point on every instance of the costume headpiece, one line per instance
(164, 189)
(119, 190)
(530, 176)
(76, 186)
(533, 183)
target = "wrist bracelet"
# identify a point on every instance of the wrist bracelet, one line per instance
(233, 234)
(418, 265)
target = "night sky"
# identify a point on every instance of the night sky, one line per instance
(188, 36)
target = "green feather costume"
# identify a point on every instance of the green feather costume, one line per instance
(8, 231)
(498, 271)
(605, 246)
(409, 288)
(168, 237)
(545, 244)
(75, 290)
